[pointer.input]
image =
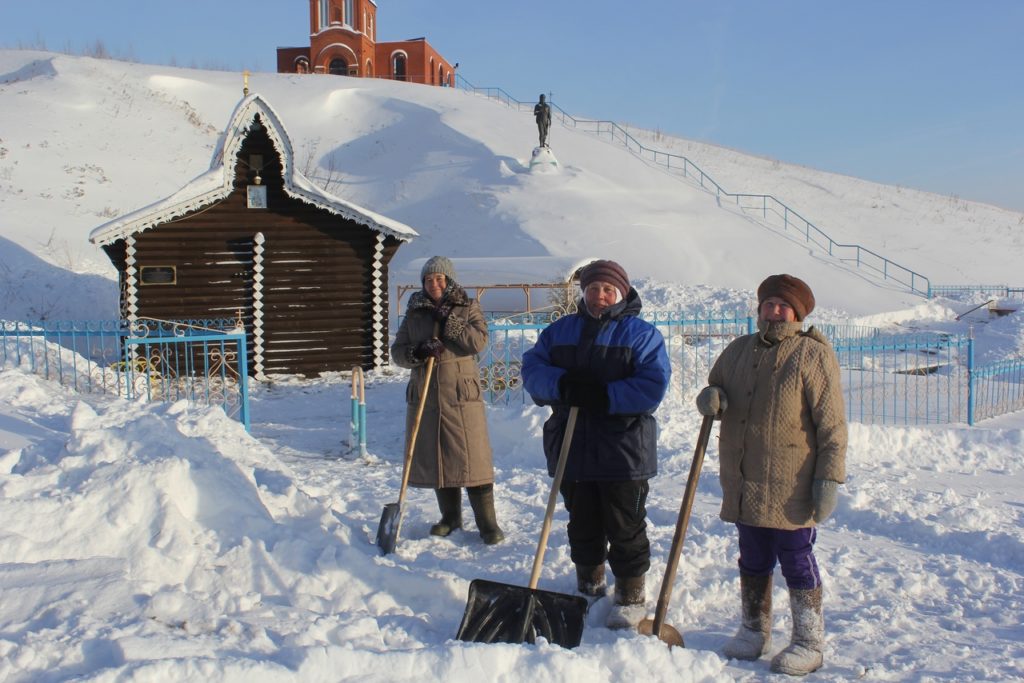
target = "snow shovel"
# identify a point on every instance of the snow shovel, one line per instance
(503, 613)
(666, 632)
(391, 517)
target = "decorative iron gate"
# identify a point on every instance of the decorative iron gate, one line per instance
(201, 361)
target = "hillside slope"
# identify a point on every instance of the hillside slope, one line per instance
(94, 139)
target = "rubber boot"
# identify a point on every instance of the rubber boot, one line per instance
(630, 603)
(806, 651)
(754, 637)
(482, 500)
(449, 500)
(590, 580)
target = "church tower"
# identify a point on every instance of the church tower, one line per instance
(343, 42)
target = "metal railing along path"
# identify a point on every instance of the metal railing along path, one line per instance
(768, 208)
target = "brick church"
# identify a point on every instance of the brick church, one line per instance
(343, 41)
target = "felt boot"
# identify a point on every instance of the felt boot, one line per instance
(806, 651)
(449, 500)
(590, 580)
(482, 500)
(630, 603)
(754, 636)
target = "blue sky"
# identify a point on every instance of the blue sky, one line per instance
(921, 93)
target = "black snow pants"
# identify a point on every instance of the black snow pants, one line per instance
(607, 520)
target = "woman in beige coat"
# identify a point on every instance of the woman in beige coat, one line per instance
(782, 448)
(452, 447)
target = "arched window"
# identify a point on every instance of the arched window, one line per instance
(302, 66)
(430, 72)
(398, 66)
(440, 74)
(369, 69)
(338, 67)
(350, 13)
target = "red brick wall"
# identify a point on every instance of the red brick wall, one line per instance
(286, 57)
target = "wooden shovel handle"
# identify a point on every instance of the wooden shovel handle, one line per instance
(407, 465)
(563, 456)
(682, 523)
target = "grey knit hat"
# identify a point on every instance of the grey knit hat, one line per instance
(438, 264)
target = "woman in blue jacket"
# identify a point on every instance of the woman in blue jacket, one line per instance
(614, 367)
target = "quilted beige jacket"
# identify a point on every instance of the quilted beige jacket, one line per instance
(784, 425)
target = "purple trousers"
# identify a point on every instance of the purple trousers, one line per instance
(761, 548)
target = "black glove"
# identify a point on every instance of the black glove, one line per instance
(576, 389)
(430, 347)
(442, 311)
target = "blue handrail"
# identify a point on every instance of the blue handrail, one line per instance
(863, 257)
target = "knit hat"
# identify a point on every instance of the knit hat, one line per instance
(438, 264)
(605, 271)
(792, 290)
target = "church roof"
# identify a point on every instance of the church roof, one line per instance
(217, 183)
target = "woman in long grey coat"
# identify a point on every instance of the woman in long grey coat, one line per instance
(452, 447)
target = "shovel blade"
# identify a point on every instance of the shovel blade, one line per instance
(669, 634)
(503, 613)
(387, 530)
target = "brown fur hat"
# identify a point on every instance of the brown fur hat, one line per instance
(790, 289)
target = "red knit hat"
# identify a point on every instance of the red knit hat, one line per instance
(792, 290)
(605, 271)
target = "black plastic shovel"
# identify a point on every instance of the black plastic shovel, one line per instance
(503, 613)
(666, 632)
(391, 517)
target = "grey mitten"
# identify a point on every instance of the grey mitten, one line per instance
(712, 401)
(824, 494)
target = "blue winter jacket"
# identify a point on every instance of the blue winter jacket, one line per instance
(628, 355)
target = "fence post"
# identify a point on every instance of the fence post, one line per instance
(129, 379)
(357, 424)
(243, 380)
(970, 378)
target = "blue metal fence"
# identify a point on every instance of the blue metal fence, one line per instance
(958, 291)
(906, 379)
(201, 361)
(997, 389)
(887, 378)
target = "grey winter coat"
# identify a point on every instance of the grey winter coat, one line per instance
(452, 447)
(784, 425)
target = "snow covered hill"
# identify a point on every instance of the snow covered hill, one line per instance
(94, 139)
